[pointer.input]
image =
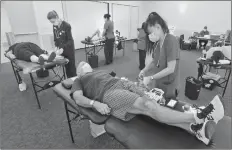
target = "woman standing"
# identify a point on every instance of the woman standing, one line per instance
(63, 41)
(163, 70)
(108, 33)
(142, 43)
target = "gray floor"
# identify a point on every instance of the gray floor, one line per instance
(24, 126)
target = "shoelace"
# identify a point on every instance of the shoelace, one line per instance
(196, 127)
(205, 113)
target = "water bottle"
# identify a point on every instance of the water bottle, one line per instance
(204, 53)
(22, 86)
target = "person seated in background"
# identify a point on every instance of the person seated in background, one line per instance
(203, 43)
(142, 42)
(204, 32)
(29, 52)
(225, 39)
(124, 100)
(220, 42)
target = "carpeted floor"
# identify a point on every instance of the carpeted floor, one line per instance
(24, 126)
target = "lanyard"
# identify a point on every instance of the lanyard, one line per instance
(161, 45)
(58, 31)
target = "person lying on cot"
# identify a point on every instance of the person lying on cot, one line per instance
(124, 100)
(29, 52)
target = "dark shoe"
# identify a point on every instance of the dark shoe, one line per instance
(52, 57)
(214, 111)
(107, 63)
(41, 60)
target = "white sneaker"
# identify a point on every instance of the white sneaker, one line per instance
(200, 131)
(219, 111)
(214, 111)
(22, 86)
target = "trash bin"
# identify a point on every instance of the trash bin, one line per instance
(192, 88)
(93, 60)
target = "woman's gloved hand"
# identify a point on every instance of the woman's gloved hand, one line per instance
(59, 51)
(141, 75)
(148, 82)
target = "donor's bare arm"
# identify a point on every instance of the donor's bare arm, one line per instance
(83, 101)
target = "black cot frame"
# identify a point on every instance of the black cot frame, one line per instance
(223, 82)
(94, 49)
(36, 87)
(76, 113)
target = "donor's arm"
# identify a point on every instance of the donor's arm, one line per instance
(83, 101)
(8, 53)
(77, 95)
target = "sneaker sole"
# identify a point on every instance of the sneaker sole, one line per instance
(219, 111)
(52, 57)
(202, 136)
(41, 60)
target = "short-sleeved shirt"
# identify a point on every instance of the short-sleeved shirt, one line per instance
(109, 26)
(203, 33)
(94, 84)
(63, 38)
(170, 51)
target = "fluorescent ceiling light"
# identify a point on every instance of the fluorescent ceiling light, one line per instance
(182, 7)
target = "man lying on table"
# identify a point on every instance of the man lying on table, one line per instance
(123, 99)
(29, 52)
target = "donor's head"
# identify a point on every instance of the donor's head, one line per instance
(83, 68)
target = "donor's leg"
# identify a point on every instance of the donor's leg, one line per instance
(196, 122)
(40, 54)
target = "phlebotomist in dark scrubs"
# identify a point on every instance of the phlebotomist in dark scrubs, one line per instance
(163, 70)
(108, 33)
(63, 41)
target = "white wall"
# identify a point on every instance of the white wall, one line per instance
(140, 4)
(21, 15)
(194, 15)
(22, 19)
(84, 23)
(5, 27)
(45, 31)
(33, 26)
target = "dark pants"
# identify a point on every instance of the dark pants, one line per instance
(205, 43)
(24, 51)
(109, 50)
(142, 57)
(70, 67)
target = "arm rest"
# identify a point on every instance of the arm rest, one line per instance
(94, 116)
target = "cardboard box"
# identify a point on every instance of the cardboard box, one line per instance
(96, 130)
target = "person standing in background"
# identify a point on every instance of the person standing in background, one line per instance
(108, 33)
(142, 43)
(63, 41)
